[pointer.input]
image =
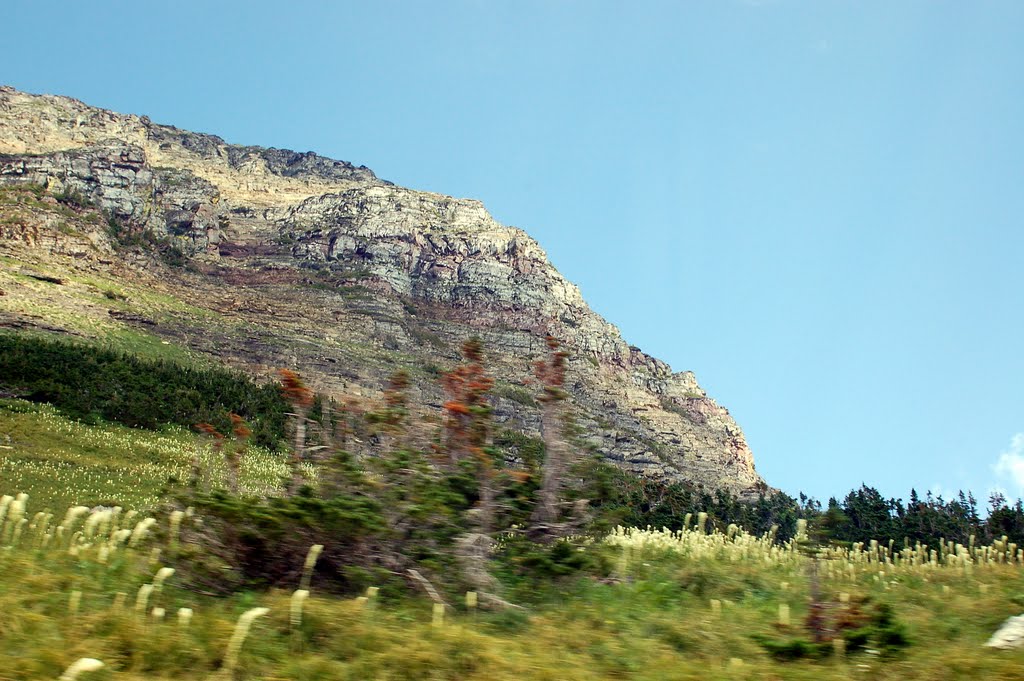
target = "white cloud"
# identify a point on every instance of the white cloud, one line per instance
(1010, 466)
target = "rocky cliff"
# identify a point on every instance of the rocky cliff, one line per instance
(291, 259)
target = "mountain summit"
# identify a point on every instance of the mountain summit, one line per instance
(272, 258)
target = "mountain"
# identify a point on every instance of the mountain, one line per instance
(119, 230)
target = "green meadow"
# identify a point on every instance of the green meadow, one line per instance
(663, 605)
(178, 552)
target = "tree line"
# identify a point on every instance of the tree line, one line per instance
(864, 514)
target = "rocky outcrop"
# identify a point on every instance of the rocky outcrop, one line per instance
(376, 271)
(1009, 636)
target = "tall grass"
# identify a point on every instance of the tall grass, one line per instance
(684, 605)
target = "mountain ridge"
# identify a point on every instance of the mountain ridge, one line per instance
(384, 277)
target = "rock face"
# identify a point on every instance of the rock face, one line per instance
(1010, 635)
(298, 260)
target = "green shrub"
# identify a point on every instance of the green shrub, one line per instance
(73, 198)
(265, 541)
(516, 393)
(90, 383)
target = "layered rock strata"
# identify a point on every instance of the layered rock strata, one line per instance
(317, 264)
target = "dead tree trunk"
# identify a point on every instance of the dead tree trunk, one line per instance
(553, 470)
(301, 399)
(298, 451)
(327, 425)
(551, 373)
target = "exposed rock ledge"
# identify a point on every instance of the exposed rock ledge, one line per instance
(374, 268)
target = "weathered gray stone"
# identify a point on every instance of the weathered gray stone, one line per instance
(373, 267)
(1010, 635)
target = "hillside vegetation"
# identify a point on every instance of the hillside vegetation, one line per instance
(387, 548)
(653, 605)
(90, 384)
(62, 462)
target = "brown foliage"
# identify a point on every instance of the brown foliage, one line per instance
(294, 389)
(467, 411)
(232, 451)
(301, 398)
(239, 427)
(207, 429)
(467, 426)
(395, 396)
(551, 373)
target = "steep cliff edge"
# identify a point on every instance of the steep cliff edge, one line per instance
(301, 261)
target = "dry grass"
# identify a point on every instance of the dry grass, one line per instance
(655, 621)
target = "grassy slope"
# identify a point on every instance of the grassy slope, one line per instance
(80, 306)
(656, 623)
(60, 462)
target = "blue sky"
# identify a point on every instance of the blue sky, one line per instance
(816, 206)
